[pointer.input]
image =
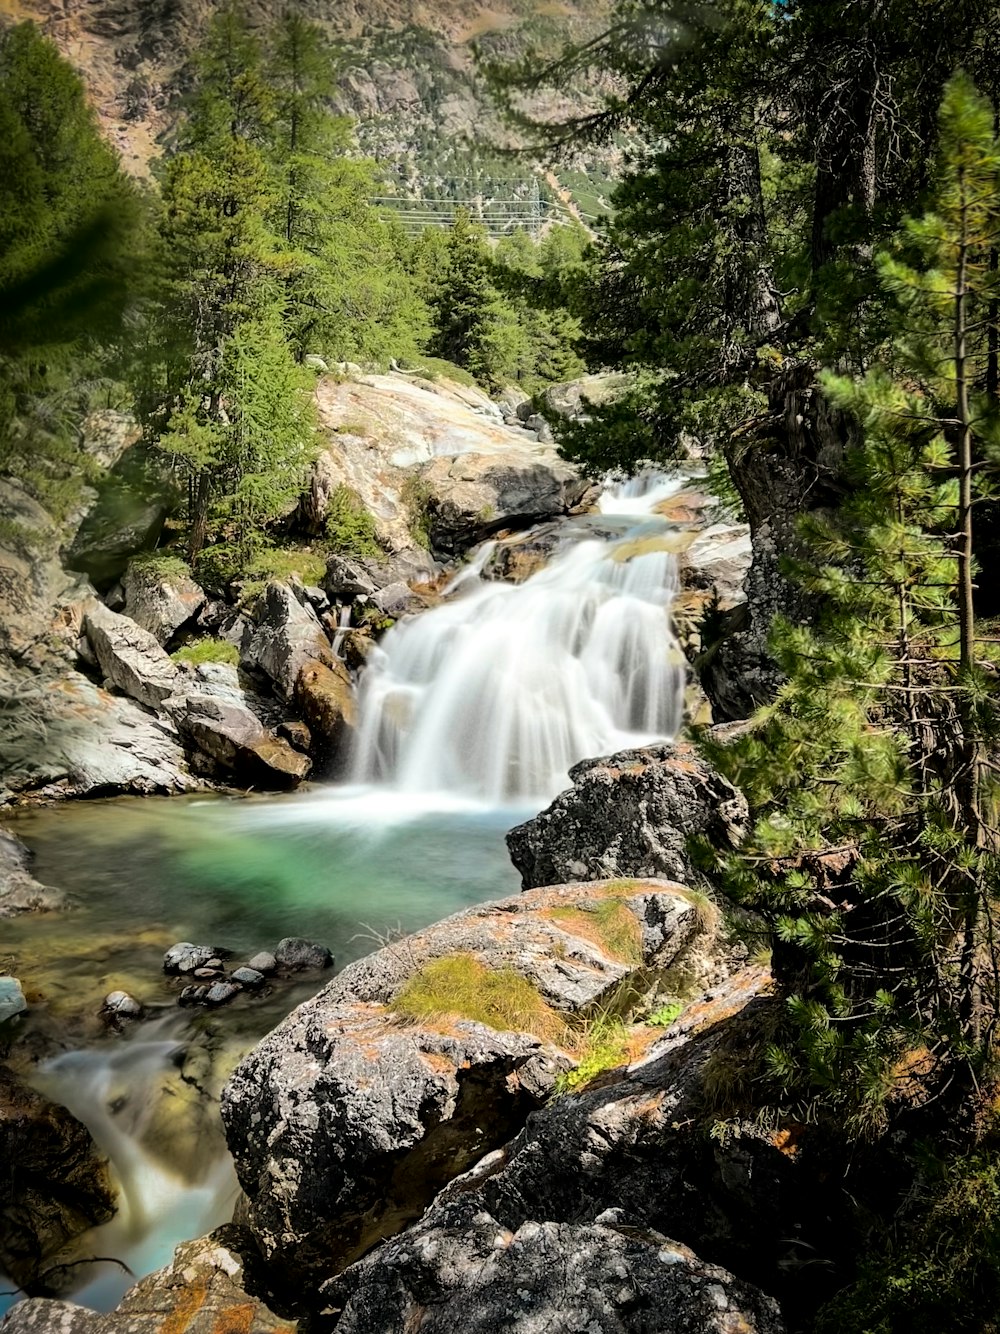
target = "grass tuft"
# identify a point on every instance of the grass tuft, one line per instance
(607, 923)
(207, 650)
(461, 986)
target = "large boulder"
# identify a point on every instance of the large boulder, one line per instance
(285, 636)
(128, 516)
(32, 581)
(54, 1184)
(350, 1116)
(630, 814)
(572, 398)
(461, 1269)
(160, 600)
(566, 1227)
(132, 659)
(468, 498)
(351, 577)
(229, 734)
(63, 736)
(205, 1289)
(20, 892)
(324, 698)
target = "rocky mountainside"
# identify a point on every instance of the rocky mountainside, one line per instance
(407, 74)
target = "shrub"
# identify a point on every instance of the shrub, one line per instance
(350, 527)
(416, 495)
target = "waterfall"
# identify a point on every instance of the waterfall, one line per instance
(496, 693)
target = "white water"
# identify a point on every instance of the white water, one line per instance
(495, 694)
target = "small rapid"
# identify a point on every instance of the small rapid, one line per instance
(497, 692)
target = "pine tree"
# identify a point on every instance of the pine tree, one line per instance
(873, 857)
(230, 404)
(349, 297)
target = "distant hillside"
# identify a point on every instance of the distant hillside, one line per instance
(408, 78)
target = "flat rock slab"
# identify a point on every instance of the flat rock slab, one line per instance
(20, 892)
(132, 660)
(346, 1120)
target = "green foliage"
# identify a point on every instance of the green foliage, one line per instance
(350, 528)
(161, 564)
(603, 1045)
(609, 923)
(415, 495)
(208, 650)
(667, 1014)
(71, 251)
(873, 852)
(939, 1266)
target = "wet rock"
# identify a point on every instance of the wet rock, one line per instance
(203, 973)
(192, 996)
(350, 577)
(220, 993)
(231, 735)
(297, 735)
(263, 963)
(460, 1268)
(20, 892)
(324, 697)
(248, 977)
(286, 636)
(54, 1184)
(206, 1289)
(131, 659)
(12, 1000)
(630, 814)
(345, 1121)
(120, 1005)
(185, 957)
(474, 495)
(398, 600)
(300, 956)
(160, 603)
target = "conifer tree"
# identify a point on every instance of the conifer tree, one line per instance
(230, 406)
(349, 296)
(873, 857)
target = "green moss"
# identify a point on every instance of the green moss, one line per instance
(461, 986)
(436, 368)
(350, 527)
(609, 923)
(161, 565)
(415, 495)
(207, 650)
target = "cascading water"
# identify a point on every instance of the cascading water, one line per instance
(496, 693)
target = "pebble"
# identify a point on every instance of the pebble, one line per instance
(248, 977)
(208, 971)
(185, 957)
(122, 1005)
(221, 992)
(12, 1000)
(263, 963)
(299, 956)
(192, 996)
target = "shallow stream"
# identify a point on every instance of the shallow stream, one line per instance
(471, 716)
